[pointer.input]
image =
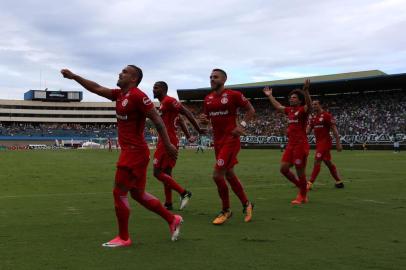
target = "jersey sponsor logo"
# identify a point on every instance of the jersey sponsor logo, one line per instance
(121, 117)
(318, 126)
(146, 101)
(291, 121)
(218, 113)
(124, 102)
(220, 162)
(298, 161)
(224, 100)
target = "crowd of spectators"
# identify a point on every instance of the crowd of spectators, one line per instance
(355, 114)
(379, 113)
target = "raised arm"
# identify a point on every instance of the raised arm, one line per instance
(153, 115)
(308, 100)
(268, 92)
(87, 84)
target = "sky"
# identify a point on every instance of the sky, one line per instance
(181, 41)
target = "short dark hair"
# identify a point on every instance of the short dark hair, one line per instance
(139, 73)
(221, 71)
(299, 93)
(164, 85)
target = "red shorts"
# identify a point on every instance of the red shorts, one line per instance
(296, 154)
(132, 169)
(226, 155)
(322, 152)
(162, 160)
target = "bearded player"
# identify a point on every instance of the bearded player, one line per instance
(132, 109)
(220, 108)
(297, 150)
(322, 122)
(163, 163)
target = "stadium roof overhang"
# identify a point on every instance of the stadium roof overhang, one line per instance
(320, 85)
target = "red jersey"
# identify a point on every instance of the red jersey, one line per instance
(297, 119)
(221, 109)
(170, 108)
(321, 123)
(131, 109)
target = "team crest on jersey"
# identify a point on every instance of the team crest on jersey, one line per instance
(224, 100)
(220, 162)
(210, 97)
(146, 101)
(298, 161)
(297, 113)
(155, 162)
(124, 102)
(318, 155)
(321, 119)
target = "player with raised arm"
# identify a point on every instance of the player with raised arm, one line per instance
(220, 108)
(322, 122)
(163, 164)
(132, 109)
(297, 149)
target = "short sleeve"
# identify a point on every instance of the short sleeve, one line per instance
(115, 93)
(142, 102)
(175, 105)
(240, 99)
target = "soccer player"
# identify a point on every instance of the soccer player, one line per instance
(132, 109)
(220, 108)
(297, 149)
(163, 163)
(322, 122)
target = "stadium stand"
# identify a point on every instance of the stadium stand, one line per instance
(369, 106)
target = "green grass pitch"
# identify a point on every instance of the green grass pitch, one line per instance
(56, 209)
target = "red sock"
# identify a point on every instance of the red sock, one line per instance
(168, 194)
(223, 192)
(291, 177)
(303, 185)
(334, 172)
(151, 203)
(238, 189)
(122, 212)
(315, 172)
(169, 181)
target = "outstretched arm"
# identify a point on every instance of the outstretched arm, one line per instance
(87, 84)
(268, 92)
(163, 134)
(307, 97)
